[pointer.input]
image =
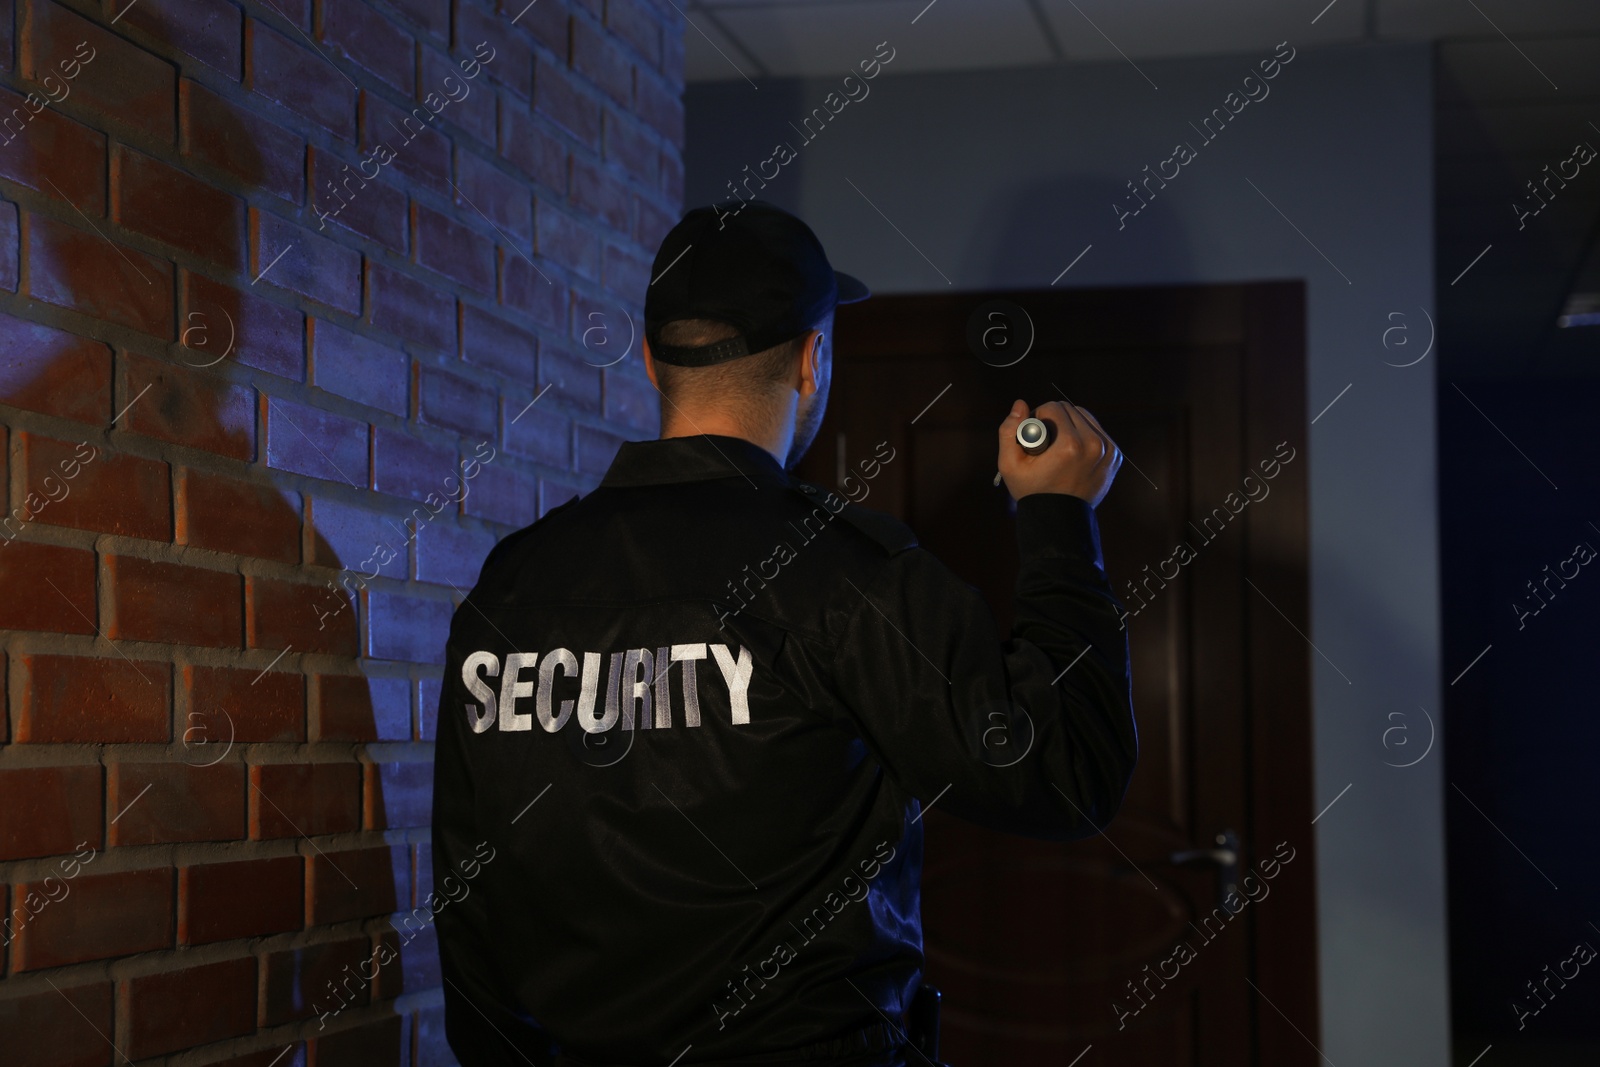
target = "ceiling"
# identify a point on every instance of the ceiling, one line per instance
(782, 38)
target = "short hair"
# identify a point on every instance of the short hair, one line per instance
(743, 387)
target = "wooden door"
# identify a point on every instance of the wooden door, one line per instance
(1070, 954)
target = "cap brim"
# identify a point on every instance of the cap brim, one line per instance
(851, 288)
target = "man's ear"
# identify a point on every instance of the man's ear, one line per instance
(649, 362)
(810, 363)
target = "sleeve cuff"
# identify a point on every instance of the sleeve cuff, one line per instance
(1058, 525)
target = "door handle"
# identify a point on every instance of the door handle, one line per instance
(1225, 858)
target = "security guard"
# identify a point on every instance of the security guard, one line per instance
(690, 721)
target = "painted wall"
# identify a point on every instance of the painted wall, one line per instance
(1001, 179)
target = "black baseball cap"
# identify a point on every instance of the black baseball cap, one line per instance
(755, 267)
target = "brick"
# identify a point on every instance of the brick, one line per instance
(162, 803)
(365, 542)
(537, 154)
(52, 154)
(82, 700)
(304, 799)
(260, 153)
(412, 310)
(430, 1040)
(672, 49)
(432, 15)
(46, 587)
(660, 106)
(407, 628)
(503, 199)
(105, 916)
(119, 80)
(497, 345)
(597, 56)
(632, 401)
(601, 195)
(452, 555)
(596, 449)
(149, 197)
(420, 151)
(356, 884)
(370, 40)
(545, 22)
(360, 369)
(249, 898)
(172, 603)
(569, 241)
(343, 195)
(399, 794)
(538, 296)
(295, 258)
(456, 403)
(240, 518)
(301, 615)
(301, 80)
(480, 33)
(374, 1044)
(472, 105)
(406, 466)
(184, 406)
(558, 99)
(10, 246)
(243, 705)
(630, 146)
(453, 250)
(501, 495)
(625, 274)
(50, 811)
(354, 707)
(635, 23)
(70, 268)
(87, 488)
(428, 694)
(572, 379)
(671, 176)
(544, 435)
(49, 1029)
(291, 1055)
(161, 1008)
(299, 983)
(316, 443)
(208, 30)
(554, 493)
(264, 335)
(651, 224)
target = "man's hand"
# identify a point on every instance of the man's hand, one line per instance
(1081, 460)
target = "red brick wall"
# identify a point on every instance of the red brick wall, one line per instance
(256, 436)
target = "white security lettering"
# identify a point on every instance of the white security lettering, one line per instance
(738, 678)
(569, 666)
(512, 687)
(479, 688)
(687, 654)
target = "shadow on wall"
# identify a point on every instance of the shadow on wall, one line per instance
(1042, 226)
(250, 819)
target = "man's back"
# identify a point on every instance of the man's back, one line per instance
(687, 729)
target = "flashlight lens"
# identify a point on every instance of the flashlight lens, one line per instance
(1031, 434)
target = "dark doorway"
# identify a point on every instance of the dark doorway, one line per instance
(1046, 952)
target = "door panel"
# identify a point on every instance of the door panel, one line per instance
(1045, 949)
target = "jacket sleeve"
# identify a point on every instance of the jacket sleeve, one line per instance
(482, 1025)
(1034, 735)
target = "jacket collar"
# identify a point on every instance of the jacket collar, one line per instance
(692, 459)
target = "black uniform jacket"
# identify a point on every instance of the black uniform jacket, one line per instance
(688, 727)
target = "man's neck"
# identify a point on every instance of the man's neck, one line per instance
(691, 424)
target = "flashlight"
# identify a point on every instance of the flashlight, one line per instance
(1033, 435)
